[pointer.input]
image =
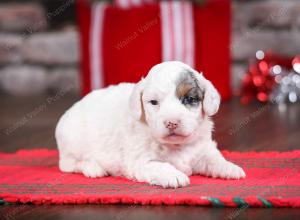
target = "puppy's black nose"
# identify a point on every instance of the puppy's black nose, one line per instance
(172, 125)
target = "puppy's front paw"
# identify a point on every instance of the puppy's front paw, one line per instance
(229, 171)
(91, 169)
(169, 178)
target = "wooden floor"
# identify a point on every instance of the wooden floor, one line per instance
(30, 123)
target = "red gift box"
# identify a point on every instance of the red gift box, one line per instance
(121, 42)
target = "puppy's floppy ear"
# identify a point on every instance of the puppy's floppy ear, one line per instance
(135, 101)
(212, 99)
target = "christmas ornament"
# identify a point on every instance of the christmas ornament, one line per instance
(272, 77)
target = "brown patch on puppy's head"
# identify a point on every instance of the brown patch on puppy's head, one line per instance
(182, 89)
(188, 90)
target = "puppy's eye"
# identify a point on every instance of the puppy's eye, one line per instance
(153, 102)
(190, 100)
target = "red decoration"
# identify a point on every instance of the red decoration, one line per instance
(259, 81)
(131, 41)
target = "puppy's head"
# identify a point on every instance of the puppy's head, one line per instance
(173, 100)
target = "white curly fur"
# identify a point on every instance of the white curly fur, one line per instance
(103, 133)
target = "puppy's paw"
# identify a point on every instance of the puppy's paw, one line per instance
(67, 164)
(229, 171)
(91, 169)
(169, 178)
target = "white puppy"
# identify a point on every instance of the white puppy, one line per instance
(156, 131)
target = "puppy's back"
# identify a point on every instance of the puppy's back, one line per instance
(100, 114)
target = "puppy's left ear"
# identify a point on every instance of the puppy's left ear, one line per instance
(212, 98)
(135, 101)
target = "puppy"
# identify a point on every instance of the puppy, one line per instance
(156, 131)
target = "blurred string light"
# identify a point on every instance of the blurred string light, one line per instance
(272, 77)
(276, 69)
(260, 54)
(296, 64)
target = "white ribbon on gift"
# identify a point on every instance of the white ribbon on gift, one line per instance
(177, 30)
